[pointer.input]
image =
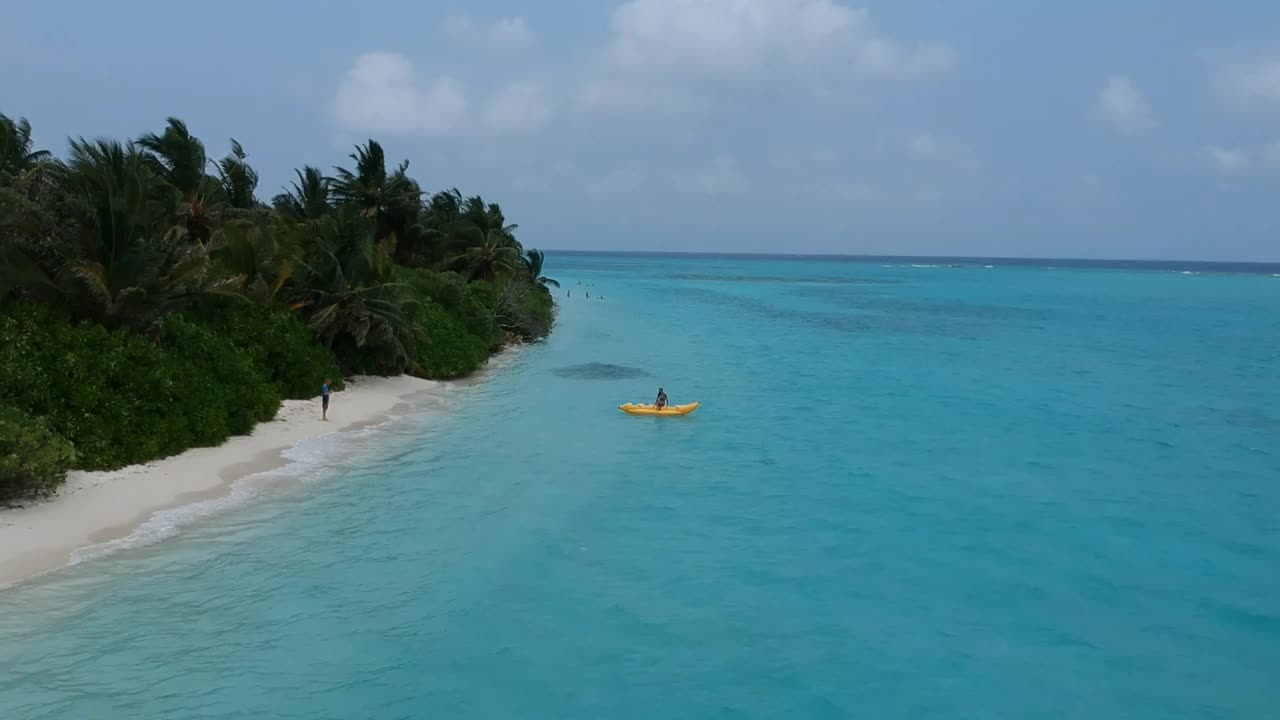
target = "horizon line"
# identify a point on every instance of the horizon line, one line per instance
(877, 256)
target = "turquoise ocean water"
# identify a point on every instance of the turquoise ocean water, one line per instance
(911, 492)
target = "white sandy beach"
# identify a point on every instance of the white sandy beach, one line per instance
(96, 507)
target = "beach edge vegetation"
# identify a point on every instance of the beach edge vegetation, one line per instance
(151, 302)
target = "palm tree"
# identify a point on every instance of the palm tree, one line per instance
(155, 279)
(342, 288)
(258, 253)
(533, 260)
(129, 270)
(486, 216)
(392, 200)
(445, 208)
(441, 220)
(371, 188)
(179, 158)
(119, 188)
(16, 148)
(490, 253)
(309, 198)
(239, 179)
(403, 220)
(23, 275)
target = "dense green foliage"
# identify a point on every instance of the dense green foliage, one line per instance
(122, 398)
(462, 330)
(33, 458)
(275, 340)
(150, 302)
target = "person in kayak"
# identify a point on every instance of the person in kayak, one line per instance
(661, 402)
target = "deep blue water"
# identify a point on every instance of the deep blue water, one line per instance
(911, 492)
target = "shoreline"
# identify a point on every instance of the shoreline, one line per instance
(96, 507)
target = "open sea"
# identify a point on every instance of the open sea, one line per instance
(1039, 489)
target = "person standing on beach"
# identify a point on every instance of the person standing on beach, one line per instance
(324, 400)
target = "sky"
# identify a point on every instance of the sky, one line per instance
(1145, 129)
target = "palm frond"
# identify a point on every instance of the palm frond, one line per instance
(93, 276)
(177, 156)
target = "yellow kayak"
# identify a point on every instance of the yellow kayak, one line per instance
(637, 409)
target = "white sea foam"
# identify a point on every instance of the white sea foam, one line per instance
(307, 461)
(304, 462)
(166, 523)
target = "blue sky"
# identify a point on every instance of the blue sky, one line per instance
(1139, 129)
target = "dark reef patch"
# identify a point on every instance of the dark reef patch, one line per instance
(600, 371)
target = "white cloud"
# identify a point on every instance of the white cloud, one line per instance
(517, 108)
(616, 182)
(854, 191)
(1249, 84)
(825, 156)
(1233, 161)
(896, 197)
(507, 34)
(1227, 161)
(1121, 105)
(1080, 193)
(721, 177)
(623, 97)
(821, 157)
(933, 147)
(493, 156)
(380, 93)
(726, 37)
(18, 50)
(660, 51)
(531, 182)
(546, 177)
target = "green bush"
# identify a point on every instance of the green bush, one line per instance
(277, 342)
(367, 360)
(449, 350)
(33, 458)
(459, 323)
(219, 382)
(525, 309)
(444, 288)
(479, 311)
(120, 398)
(470, 303)
(80, 378)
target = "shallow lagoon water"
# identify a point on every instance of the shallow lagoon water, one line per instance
(909, 492)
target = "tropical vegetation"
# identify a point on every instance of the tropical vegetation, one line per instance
(151, 301)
